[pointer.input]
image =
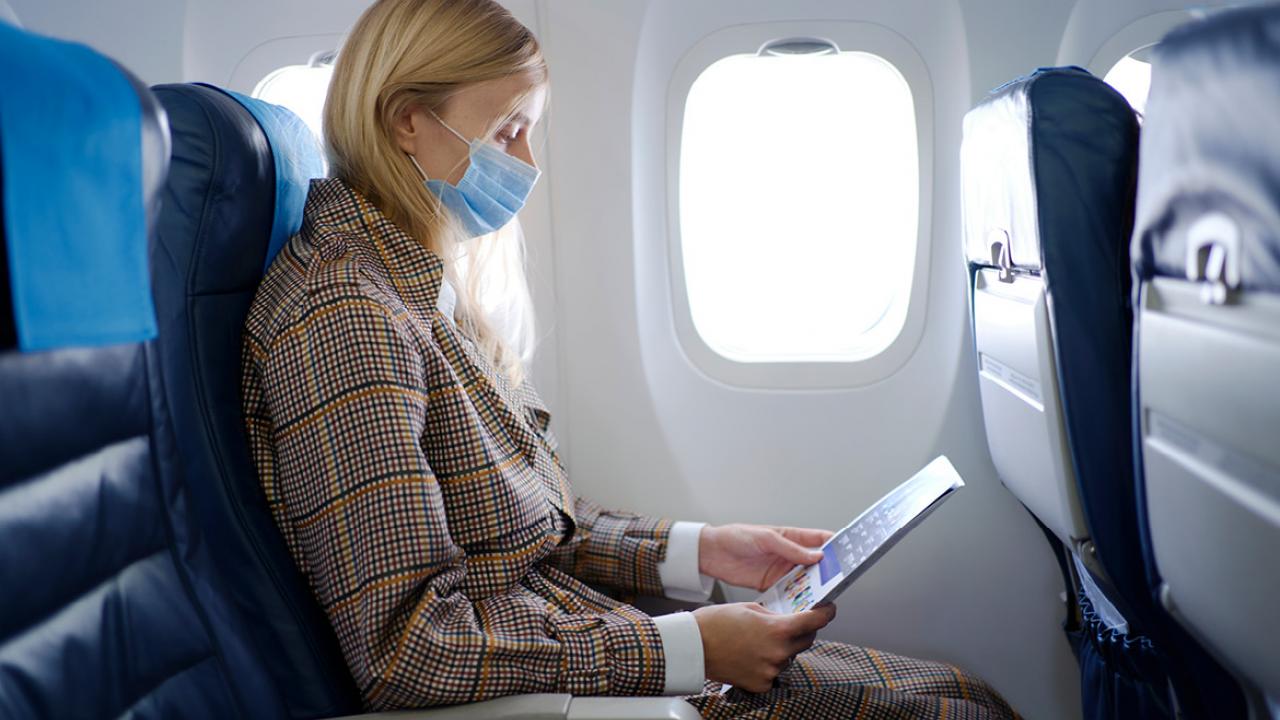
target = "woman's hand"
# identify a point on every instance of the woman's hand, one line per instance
(745, 645)
(755, 556)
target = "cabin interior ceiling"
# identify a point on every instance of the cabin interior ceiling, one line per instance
(640, 426)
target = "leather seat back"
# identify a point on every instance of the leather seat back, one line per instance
(1206, 253)
(231, 189)
(1048, 167)
(111, 605)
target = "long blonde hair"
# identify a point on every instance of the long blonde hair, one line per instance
(408, 54)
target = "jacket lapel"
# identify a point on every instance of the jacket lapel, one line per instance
(415, 274)
(525, 422)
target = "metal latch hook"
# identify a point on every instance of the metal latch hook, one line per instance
(1213, 256)
(1001, 257)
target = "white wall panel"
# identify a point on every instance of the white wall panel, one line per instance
(143, 35)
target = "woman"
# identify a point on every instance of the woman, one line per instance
(407, 459)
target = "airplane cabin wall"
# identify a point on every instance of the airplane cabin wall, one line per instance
(976, 584)
(641, 426)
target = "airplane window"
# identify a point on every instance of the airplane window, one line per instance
(301, 88)
(1132, 77)
(798, 205)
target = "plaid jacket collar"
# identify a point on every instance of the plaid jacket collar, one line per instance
(338, 219)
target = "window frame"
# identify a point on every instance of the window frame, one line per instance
(816, 374)
(277, 53)
(1137, 35)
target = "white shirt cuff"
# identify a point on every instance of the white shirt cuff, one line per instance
(682, 648)
(679, 570)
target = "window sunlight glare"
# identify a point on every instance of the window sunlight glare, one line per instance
(798, 197)
(301, 88)
(1132, 78)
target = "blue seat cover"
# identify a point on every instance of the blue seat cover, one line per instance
(68, 180)
(221, 211)
(297, 159)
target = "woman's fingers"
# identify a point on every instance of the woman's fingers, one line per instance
(813, 620)
(791, 551)
(800, 643)
(809, 537)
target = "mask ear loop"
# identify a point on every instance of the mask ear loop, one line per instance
(446, 127)
(425, 178)
(421, 172)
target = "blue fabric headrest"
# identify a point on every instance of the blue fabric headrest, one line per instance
(297, 158)
(75, 222)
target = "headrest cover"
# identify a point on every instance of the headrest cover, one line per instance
(74, 207)
(998, 199)
(297, 158)
(1039, 153)
(1210, 167)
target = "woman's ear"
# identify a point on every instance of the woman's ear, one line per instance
(407, 126)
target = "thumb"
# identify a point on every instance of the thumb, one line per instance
(814, 619)
(791, 551)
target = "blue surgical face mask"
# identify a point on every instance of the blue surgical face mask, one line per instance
(491, 191)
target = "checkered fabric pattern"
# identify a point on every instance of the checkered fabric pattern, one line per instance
(423, 498)
(834, 680)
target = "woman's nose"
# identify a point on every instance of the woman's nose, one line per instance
(524, 151)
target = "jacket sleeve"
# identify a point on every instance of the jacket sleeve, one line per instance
(610, 548)
(615, 549)
(345, 387)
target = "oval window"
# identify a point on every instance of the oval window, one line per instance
(798, 205)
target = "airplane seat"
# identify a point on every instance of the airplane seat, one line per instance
(221, 205)
(235, 194)
(1048, 170)
(1206, 260)
(110, 604)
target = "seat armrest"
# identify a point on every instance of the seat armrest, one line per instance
(631, 708)
(540, 706)
(550, 706)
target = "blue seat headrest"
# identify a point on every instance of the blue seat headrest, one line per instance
(82, 150)
(1209, 149)
(297, 158)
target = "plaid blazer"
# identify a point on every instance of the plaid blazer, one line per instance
(420, 493)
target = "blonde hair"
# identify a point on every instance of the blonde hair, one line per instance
(415, 54)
